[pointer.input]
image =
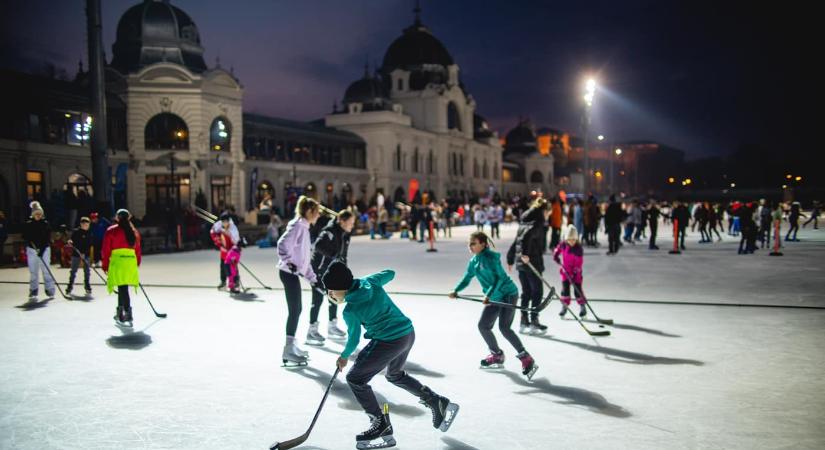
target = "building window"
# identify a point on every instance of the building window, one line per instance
(453, 118)
(495, 171)
(163, 190)
(400, 84)
(398, 158)
(166, 131)
(34, 184)
(415, 160)
(430, 166)
(461, 165)
(475, 168)
(536, 177)
(221, 188)
(220, 135)
(485, 172)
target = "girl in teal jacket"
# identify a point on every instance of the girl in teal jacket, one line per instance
(498, 289)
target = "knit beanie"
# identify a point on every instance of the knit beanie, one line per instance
(338, 277)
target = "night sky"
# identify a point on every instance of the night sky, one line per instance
(695, 75)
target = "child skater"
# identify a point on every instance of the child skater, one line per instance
(498, 289)
(80, 242)
(570, 256)
(294, 251)
(121, 257)
(226, 236)
(392, 337)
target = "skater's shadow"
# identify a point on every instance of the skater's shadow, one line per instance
(341, 390)
(311, 447)
(623, 326)
(418, 369)
(630, 357)
(31, 306)
(83, 299)
(130, 341)
(246, 298)
(574, 396)
(455, 444)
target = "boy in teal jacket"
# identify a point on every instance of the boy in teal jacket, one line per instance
(498, 289)
(392, 337)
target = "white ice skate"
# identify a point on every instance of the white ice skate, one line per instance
(292, 356)
(314, 337)
(334, 332)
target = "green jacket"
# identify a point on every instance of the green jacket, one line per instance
(370, 306)
(486, 266)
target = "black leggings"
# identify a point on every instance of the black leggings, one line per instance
(531, 292)
(505, 321)
(317, 301)
(292, 287)
(123, 300)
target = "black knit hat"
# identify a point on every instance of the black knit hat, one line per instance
(338, 277)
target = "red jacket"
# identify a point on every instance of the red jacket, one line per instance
(114, 239)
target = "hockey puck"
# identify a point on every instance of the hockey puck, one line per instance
(601, 326)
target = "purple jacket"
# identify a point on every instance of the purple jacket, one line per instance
(571, 260)
(295, 247)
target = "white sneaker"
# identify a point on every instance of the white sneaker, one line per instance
(335, 332)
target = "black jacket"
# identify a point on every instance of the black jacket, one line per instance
(332, 245)
(614, 214)
(681, 214)
(82, 240)
(653, 216)
(37, 233)
(529, 241)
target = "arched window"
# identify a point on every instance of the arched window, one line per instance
(430, 166)
(453, 118)
(485, 172)
(475, 168)
(536, 177)
(78, 182)
(415, 160)
(265, 188)
(461, 165)
(220, 134)
(495, 171)
(398, 157)
(166, 131)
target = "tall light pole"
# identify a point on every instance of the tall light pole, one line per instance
(99, 139)
(589, 92)
(618, 152)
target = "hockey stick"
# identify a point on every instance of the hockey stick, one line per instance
(587, 303)
(253, 276)
(56, 284)
(285, 445)
(592, 333)
(537, 309)
(157, 314)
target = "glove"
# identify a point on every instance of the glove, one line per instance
(292, 267)
(318, 288)
(41, 251)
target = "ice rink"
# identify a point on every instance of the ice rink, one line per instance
(672, 375)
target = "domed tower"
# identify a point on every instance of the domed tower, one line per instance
(367, 94)
(523, 162)
(184, 119)
(156, 31)
(423, 77)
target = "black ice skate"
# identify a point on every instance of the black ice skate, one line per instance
(379, 435)
(443, 411)
(536, 327)
(121, 319)
(583, 311)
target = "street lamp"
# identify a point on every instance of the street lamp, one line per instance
(618, 152)
(589, 93)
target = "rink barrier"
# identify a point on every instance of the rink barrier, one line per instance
(444, 294)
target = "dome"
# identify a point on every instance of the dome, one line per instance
(521, 137)
(366, 90)
(155, 31)
(415, 48)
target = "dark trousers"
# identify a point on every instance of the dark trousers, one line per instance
(123, 300)
(680, 236)
(577, 292)
(494, 233)
(613, 232)
(505, 321)
(654, 228)
(531, 292)
(794, 228)
(292, 288)
(76, 261)
(224, 271)
(317, 301)
(554, 238)
(373, 359)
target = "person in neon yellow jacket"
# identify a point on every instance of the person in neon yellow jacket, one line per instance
(121, 257)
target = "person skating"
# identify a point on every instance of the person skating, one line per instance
(121, 256)
(294, 252)
(98, 227)
(37, 236)
(793, 220)
(392, 337)
(332, 244)
(681, 215)
(226, 236)
(815, 212)
(81, 242)
(529, 247)
(613, 225)
(653, 214)
(498, 288)
(570, 256)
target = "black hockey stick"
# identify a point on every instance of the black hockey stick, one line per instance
(253, 276)
(86, 263)
(587, 303)
(538, 308)
(56, 284)
(285, 445)
(157, 314)
(592, 333)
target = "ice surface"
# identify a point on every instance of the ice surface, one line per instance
(209, 376)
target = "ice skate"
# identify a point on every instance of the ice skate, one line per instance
(334, 332)
(524, 327)
(69, 290)
(49, 295)
(292, 356)
(528, 365)
(493, 361)
(563, 311)
(121, 319)
(379, 434)
(582, 311)
(537, 328)
(222, 286)
(313, 336)
(443, 411)
(32, 296)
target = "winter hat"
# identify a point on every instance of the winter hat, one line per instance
(35, 207)
(571, 233)
(338, 277)
(123, 213)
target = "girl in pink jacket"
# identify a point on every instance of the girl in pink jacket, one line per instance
(569, 255)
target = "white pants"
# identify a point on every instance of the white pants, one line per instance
(36, 263)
